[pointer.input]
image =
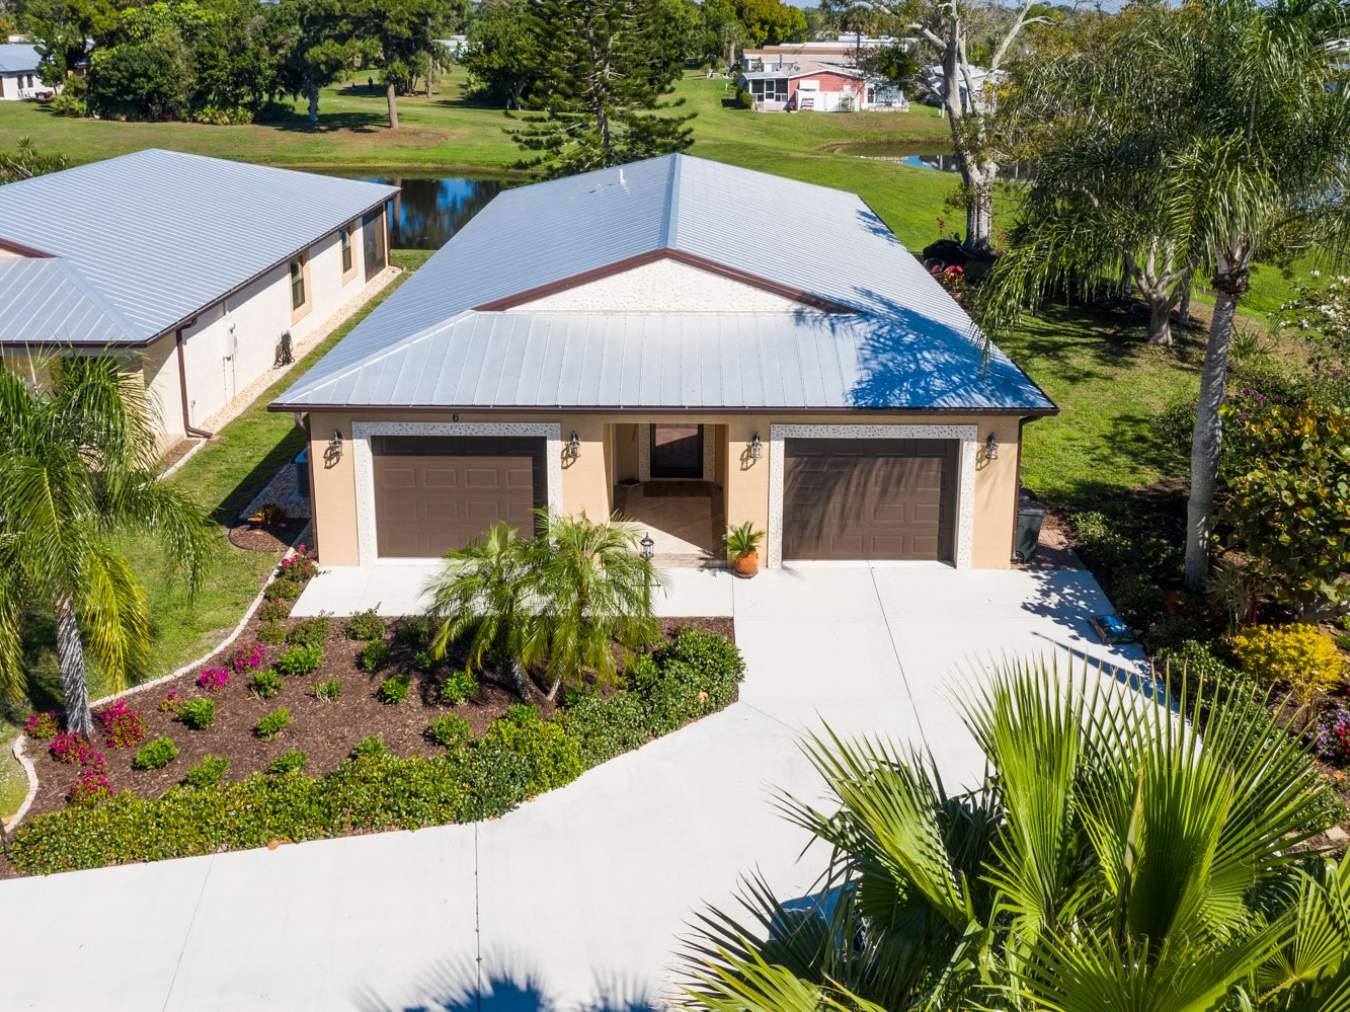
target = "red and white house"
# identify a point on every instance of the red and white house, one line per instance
(819, 87)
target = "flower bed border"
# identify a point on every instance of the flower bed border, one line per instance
(20, 754)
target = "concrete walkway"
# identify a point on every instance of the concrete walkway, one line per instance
(576, 900)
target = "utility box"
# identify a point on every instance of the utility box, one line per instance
(1030, 516)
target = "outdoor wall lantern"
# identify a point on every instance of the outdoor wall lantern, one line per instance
(991, 448)
(647, 545)
(573, 447)
(334, 452)
(756, 447)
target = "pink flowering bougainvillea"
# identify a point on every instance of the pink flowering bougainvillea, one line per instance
(248, 660)
(121, 724)
(42, 725)
(66, 746)
(91, 787)
(300, 566)
(213, 678)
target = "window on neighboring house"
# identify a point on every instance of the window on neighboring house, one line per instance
(297, 283)
(347, 256)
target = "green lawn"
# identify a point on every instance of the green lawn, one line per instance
(223, 476)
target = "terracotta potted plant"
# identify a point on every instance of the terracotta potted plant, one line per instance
(743, 547)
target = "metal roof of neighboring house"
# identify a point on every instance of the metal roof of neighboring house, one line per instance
(803, 68)
(45, 299)
(18, 58)
(161, 235)
(822, 244)
(807, 360)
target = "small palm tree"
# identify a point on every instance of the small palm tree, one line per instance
(1109, 862)
(78, 465)
(591, 590)
(481, 594)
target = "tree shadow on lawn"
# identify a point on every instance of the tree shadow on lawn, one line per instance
(499, 984)
(283, 451)
(329, 122)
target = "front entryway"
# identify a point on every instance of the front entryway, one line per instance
(435, 494)
(676, 451)
(683, 518)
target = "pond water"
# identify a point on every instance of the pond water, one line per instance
(433, 208)
(917, 157)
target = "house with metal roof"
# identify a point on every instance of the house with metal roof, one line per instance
(811, 86)
(19, 76)
(209, 276)
(664, 340)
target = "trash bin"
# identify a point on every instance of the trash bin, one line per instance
(1030, 515)
(302, 473)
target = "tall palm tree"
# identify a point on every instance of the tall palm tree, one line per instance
(1202, 138)
(591, 590)
(1110, 861)
(78, 465)
(481, 594)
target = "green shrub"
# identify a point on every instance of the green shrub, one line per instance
(394, 689)
(692, 677)
(374, 655)
(604, 728)
(745, 100)
(207, 772)
(273, 611)
(266, 684)
(283, 590)
(273, 634)
(458, 686)
(370, 747)
(301, 660)
(553, 758)
(1343, 642)
(365, 626)
(1296, 656)
(413, 633)
(154, 755)
(424, 660)
(198, 714)
(288, 762)
(329, 690)
(309, 632)
(273, 723)
(449, 730)
(1098, 539)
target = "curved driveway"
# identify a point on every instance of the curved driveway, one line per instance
(575, 900)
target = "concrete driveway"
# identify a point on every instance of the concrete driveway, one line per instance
(576, 900)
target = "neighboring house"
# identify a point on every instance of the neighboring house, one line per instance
(19, 73)
(674, 319)
(208, 273)
(819, 87)
(842, 50)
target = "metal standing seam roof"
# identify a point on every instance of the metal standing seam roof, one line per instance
(52, 291)
(417, 348)
(18, 58)
(160, 235)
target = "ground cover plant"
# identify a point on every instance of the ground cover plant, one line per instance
(352, 764)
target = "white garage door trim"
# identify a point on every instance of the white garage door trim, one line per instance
(365, 465)
(965, 483)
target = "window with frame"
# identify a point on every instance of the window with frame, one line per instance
(348, 257)
(298, 283)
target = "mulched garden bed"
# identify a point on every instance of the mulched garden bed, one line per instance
(275, 537)
(326, 730)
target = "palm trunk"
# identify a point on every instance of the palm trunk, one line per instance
(313, 94)
(1159, 320)
(74, 683)
(521, 679)
(392, 98)
(1207, 437)
(553, 689)
(1184, 306)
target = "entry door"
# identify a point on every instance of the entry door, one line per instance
(372, 241)
(677, 451)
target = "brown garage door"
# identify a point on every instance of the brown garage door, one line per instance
(436, 494)
(869, 499)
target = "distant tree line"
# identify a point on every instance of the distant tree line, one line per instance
(227, 61)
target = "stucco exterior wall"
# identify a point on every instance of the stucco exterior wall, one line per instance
(587, 482)
(664, 286)
(235, 340)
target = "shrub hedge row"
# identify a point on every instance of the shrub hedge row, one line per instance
(519, 757)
